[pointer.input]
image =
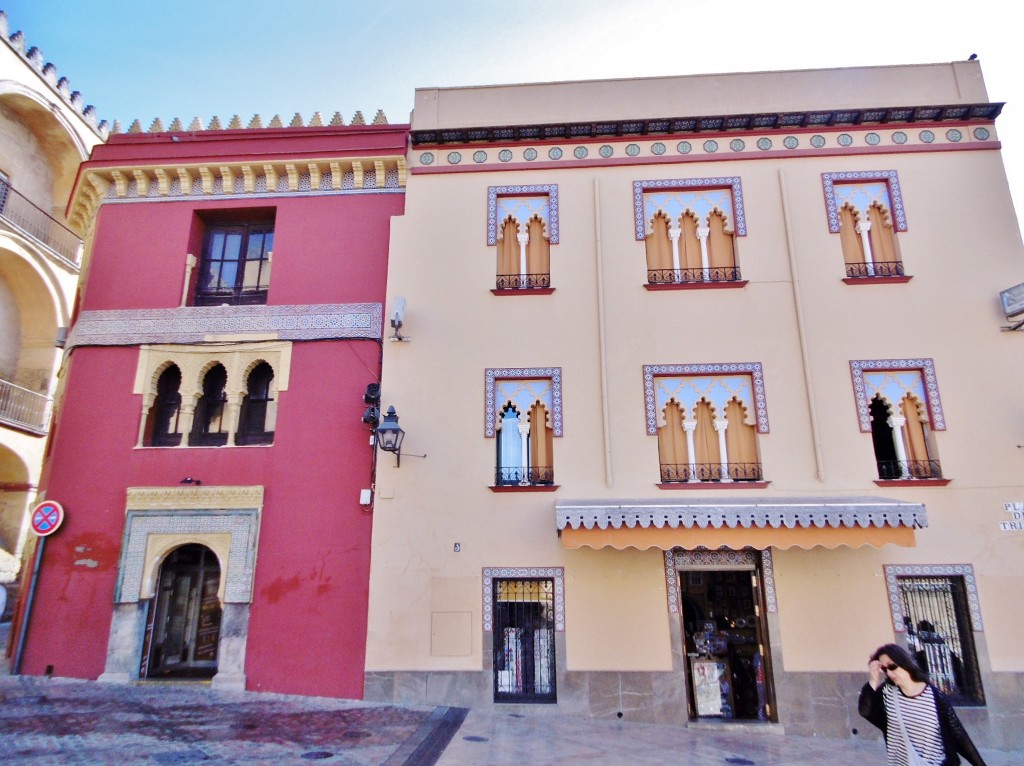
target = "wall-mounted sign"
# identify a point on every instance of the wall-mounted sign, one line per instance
(1016, 511)
(1013, 300)
(47, 517)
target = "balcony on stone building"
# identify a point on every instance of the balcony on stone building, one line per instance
(22, 409)
(25, 217)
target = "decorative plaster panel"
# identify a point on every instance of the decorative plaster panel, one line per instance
(641, 190)
(865, 386)
(856, 181)
(653, 401)
(549, 214)
(241, 524)
(557, 574)
(194, 498)
(196, 324)
(492, 390)
(894, 571)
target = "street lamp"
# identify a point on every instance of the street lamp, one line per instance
(390, 435)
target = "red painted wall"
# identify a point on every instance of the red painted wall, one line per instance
(307, 626)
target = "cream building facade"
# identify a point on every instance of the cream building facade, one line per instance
(46, 130)
(716, 395)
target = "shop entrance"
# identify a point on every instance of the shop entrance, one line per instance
(726, 645)
(183, 630)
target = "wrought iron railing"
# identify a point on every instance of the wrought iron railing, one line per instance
(523, 281)
(23, 215)
(876, 269)
(696, 276)
(889, 470)
(532, 475)
(22, 408)
(711, 472)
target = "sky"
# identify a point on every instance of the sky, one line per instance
(142, 59)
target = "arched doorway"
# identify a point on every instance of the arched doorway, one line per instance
(183, 631)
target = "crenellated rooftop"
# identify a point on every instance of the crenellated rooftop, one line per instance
(235, 123)
(61, 87)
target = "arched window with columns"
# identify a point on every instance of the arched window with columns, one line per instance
(866, 209)
(707, 424)
(689, 227)
(522, 226)
(523, 408)
(898, 404)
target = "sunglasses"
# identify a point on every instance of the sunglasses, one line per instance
(890, 667)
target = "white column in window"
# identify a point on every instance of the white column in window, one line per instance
(864, 228)
(703, 232)
(689, 426)
(188, 413)
(723, 450)
(897, 425)
(148, 399)
(234, 407)
(524, 240)
(673, 234)
(524, 444)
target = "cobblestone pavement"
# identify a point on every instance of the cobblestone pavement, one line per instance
(56, 721)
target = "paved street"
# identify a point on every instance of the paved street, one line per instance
(57, 722)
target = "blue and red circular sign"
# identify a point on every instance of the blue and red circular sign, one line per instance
(47, 517)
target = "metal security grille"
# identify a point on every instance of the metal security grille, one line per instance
(524, 641)
(939, 635)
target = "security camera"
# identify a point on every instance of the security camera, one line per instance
(398, 314)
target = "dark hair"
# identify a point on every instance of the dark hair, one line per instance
(903, 658)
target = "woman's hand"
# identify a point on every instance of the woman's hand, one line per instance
(876, 676)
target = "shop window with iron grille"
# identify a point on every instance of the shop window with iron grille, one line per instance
(524, 641)
(939, 634)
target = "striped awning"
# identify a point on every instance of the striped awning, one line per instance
(756, 522)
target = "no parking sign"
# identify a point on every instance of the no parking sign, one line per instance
(47, 517)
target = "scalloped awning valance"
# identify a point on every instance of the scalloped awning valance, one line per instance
(760, 523)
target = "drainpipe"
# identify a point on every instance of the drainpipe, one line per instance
(23, 628)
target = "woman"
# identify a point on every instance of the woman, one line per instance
(900, 701)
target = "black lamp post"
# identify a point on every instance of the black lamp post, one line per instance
(390, 435)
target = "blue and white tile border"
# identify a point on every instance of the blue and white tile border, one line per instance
(490, 574)
(493, 192)
(731, 182)
(931, 386)
(652, 371)
(678, 559)
(829, 180)
(492, 374)
(894, 571)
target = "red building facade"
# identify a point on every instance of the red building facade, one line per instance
(208, 449)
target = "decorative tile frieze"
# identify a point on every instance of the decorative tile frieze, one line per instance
(894, 571)
(197, 324)
(193, 498)
(490, 574)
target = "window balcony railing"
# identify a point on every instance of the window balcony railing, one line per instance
(894, 470)
(693, 276)
(876, 269)
(711, 472)
(23, 409)
(27, 218)
(523, 281)
(524, 477)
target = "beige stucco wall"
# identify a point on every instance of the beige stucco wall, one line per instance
(698, 95)
(962, 247)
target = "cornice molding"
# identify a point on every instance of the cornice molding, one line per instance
(233, 180)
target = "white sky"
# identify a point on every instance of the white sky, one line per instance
(153, 58)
